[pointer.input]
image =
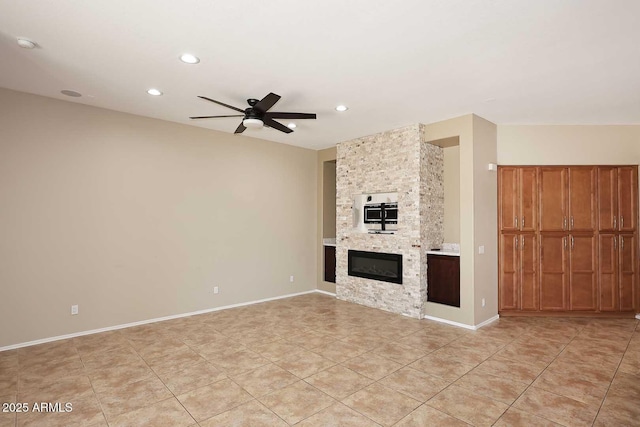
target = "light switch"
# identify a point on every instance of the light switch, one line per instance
(481, 249)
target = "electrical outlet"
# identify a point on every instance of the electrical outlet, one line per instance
(74, 310)
(483, 302)
(291, 279)
(216, 290)
(481, 249)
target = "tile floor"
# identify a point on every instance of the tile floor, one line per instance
(315, 361)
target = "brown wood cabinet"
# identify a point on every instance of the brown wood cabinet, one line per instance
(519, 193)
(330, 264)
(519, 275)
(579, 251)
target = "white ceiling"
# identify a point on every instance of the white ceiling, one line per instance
(394, 63)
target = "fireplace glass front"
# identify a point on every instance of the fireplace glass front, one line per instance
(376, 266)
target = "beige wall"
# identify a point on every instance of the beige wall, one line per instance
(461, 127)
(568, 145)
(134, 218)
(452, 194)
(485, 214)
(323, 156)
(329, 199)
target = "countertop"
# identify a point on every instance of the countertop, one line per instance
(447, 253)
(329, 241)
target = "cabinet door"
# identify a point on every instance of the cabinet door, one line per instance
(608, 272)
(330, 264)
(627, 190)
(553, 199)
(529, 292)
(528, 199)
(582, 273)
(508, 198)
(627, 271)
(582, 199)
(607, 198)
(553, 277)
(508, 280)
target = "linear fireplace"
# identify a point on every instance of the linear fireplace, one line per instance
(376, 266)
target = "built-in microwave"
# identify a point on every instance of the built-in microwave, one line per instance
(381, 213)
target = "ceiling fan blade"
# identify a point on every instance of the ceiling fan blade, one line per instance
(267, 102)
(216, 117)
(273, 124)
(241, 128)
(221, 103)
(279, 115)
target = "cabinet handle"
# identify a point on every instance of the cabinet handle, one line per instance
(516, 219)
(572, 222)
(523, 243)
(523, 222)
(615, 220)
(564, 240)
(615, 244)
(621, 222)
(621, 242)
(572, 242)
(516, 239)
(564, 223)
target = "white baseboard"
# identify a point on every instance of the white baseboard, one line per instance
(320, 291)
(157, 319)
(462, 325)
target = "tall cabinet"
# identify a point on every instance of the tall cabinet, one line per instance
(567, 238)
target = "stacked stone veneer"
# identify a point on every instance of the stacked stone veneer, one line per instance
(394, 161)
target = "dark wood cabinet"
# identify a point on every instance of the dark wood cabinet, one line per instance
(579, 254)
(330, 264)
(443, 279)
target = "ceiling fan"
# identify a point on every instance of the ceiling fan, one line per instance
(258, 115)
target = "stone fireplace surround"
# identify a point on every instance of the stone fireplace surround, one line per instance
(394, 161)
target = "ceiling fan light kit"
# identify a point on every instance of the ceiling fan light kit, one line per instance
(258, 114)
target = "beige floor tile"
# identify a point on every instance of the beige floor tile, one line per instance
(265, 379)
(372, 365)
(161, 348)
(496, 388)
(98, 343)
(447, 369)
(211, 400)
(310, 340)
(133, 396)
(428, 416)
(573, 386)
(239, 362)
(625, 385)
(66, 389)
(511, 369)
(516, 418)
(175, 361)
(338, 381)
(118, 376)
(251, 414)
(399, 353)
(470, 407)
(8, 419)
(54, 368)
(560, 409)
(296, 402)
(9, 382)
(191, 377)
(107, 359)
(52, 350)
(168, 413)
(424, 342)
(381, 404)
(368, 341)
(340, 351)
(337, 415)
(84, 412)
(619, 411)
(276, 350)
(414, 383)
(305, 363)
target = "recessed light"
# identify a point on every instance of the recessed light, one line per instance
(189, 58)
(72, 93)
(27, 44)
(291, 126)
(342, 108)
(154, 92)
